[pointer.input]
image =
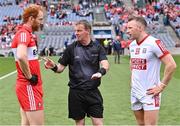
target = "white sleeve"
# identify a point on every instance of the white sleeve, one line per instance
(159, 49)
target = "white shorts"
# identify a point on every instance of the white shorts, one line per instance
(146, 103)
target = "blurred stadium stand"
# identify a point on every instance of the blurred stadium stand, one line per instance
(107, 17)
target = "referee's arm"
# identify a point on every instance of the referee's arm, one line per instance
(104, 64)
(50, 64)
(60, 68)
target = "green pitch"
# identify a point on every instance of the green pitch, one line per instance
(114, 88)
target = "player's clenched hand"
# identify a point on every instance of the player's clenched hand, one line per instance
(156, 90)
(96, 76)
(49, 64)
(34, 79)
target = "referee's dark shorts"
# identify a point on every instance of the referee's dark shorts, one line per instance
(82, 102)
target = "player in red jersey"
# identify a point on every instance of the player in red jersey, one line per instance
(29, 84)
(146, 55)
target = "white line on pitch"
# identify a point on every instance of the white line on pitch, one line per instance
(7, 75)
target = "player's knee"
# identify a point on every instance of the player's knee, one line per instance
(97, 121)
(151, 122)
(141, 123)
(80, 122)
(24, 122)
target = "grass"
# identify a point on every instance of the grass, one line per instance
(6, 65)
(114, 88)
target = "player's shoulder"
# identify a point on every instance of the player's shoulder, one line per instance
(132, 43)
(152, 40)
(22, 33)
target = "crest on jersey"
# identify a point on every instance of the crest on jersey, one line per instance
(144, 50)
(132, 50)
(137, 51)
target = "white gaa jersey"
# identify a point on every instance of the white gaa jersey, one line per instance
(145, 64)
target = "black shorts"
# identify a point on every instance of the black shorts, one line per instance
(82, 102)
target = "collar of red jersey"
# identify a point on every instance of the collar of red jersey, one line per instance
(27, 27)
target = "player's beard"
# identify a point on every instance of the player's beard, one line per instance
(35, 26)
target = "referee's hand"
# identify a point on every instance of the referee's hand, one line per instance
(48, 64)
(96, 76)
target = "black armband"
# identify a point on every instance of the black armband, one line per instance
(54, 68)
(102, 71)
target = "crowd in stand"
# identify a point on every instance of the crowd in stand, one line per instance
(62, 9)
(152, 12)
(7, 32)
(172, 16)
(116, 12)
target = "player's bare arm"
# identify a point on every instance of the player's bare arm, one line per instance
(170, 66)
(23, 61)
(169, 69)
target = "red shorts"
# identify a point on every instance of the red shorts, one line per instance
(30, 97)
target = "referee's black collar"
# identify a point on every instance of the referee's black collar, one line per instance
(89, 45)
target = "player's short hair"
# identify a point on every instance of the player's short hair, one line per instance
(86, 24)
(31, 10)
(139, 19)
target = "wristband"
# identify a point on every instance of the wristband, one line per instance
(164, 85)
(102, 71)
(54, 68)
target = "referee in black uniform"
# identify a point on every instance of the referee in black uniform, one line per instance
(87, 63)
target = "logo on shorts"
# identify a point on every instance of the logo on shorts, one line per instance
(157, 101)
(39, 104)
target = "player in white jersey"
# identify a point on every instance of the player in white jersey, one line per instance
(146, 55)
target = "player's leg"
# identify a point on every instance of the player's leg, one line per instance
(137, 108)
(151, 117)
(24, 119)
(115, 56)
(151, 109)
(21, 98)
(80, 122)
(76, 106)
(31, 102)
(118, 53)
(36, 117)
(95, 108)
(34, 105)
(97, 121)
(139, 114)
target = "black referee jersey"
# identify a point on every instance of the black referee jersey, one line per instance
(83, 62)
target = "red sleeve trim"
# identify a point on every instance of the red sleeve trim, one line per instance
(161, 46)
(164, 55)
